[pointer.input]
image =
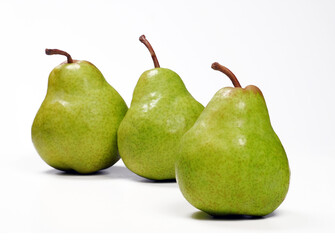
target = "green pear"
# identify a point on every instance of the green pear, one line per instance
(231, 161)
(161, 111)
(75, 128)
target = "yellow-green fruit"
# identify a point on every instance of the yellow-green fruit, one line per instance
(231, 161)
(161, 111)
(76, 125)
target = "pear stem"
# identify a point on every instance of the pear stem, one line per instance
(223, 69)
(151, 50)
(59, 52)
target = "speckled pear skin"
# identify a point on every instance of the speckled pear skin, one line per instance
(76, 125)
(231, 161)
(161, 111)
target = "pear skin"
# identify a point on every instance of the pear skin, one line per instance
(161, 111)
(231, 161)
(76, 126)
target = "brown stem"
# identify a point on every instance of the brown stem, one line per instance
(219, 67)
(151, 50)
(60, 52)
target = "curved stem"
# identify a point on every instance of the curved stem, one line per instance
(219, 67)
(151, 50)
(59, 52)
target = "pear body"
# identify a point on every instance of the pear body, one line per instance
(75, 128)
(231, 161)
(161, 111)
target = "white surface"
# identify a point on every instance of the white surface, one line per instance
(284, 47)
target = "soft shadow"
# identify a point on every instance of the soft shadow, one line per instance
(116, 172)
(204, 216)
(121, 172)
(74, 173)
(145, 180)
(124, 172)
(113, 172)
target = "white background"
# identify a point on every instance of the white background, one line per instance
(287, 48)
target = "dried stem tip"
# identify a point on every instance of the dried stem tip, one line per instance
(59, 52)
(223, 69)
(151, 50)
